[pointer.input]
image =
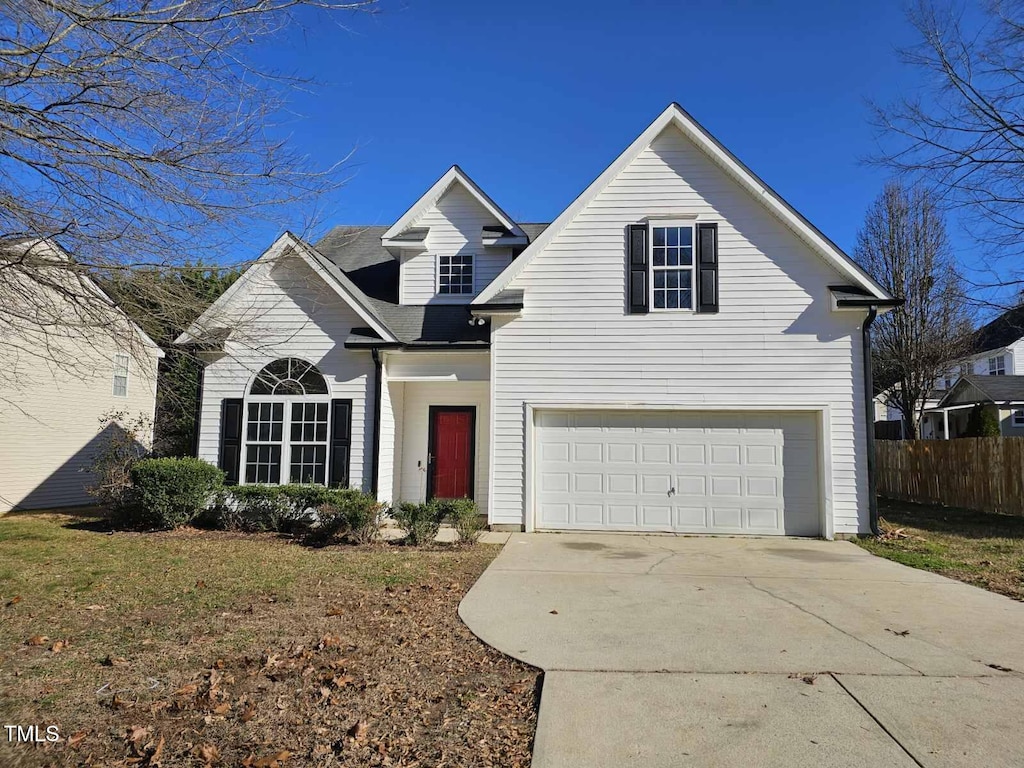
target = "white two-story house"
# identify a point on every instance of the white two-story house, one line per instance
(679, 350)
(999, 352)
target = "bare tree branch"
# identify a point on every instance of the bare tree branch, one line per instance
(904, 245)
(964, 132)
(137, 135)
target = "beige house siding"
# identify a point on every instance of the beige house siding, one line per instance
(1006, 423)
(50, 416)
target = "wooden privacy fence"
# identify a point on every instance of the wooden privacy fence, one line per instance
(983, 473)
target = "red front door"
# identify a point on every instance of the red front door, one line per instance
(451, 451)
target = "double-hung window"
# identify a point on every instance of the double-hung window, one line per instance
(997, 365)
(120, 388)
(671, 265)
(287, 425)
(455, 274)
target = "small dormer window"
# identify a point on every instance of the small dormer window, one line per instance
(455, 274)
(997, 365)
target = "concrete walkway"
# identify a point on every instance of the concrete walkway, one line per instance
(685, 651)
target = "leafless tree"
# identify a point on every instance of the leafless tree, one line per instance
(963, 130)
(136, 134)
(904, 245)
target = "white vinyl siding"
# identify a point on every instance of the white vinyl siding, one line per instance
(456, 225)
(774, 343)
(289, 311)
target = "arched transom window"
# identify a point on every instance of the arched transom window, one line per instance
(289, 376)
(287, 424)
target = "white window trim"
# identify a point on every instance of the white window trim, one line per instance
(437, 275)
(286, 436)
(126, 375)
(691, 224)
(994, 365)
(1013, 417)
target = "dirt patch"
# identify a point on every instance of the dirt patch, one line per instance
(197, 648)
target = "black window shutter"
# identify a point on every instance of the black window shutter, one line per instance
(341, 443)
(637, 262)
(707, 267)
(230, 454)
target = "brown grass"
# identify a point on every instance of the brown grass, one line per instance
(980, 548)
(200, 648)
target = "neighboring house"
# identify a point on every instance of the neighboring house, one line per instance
(1001, 395)
(679, 350)
(997, 346)
(66, 364)
(890, 416)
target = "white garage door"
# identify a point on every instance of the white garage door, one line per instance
(689, 472)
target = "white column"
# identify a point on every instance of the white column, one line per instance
(945, 425)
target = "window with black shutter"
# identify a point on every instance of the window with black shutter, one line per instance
(672, 266)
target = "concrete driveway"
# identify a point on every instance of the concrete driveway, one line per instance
(687, 651)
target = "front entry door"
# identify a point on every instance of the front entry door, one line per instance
(451, 447)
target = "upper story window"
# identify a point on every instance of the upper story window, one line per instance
(455, 274)
(671, 265)
(120, 388)
(997, 365)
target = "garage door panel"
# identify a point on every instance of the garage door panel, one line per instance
(688, 471)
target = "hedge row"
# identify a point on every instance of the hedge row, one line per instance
(172, 492)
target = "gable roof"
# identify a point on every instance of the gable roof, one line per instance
(331, 273)
(357, 251)
(1001, 332)
(25, 245)
(995, 389)
(431, 196)
(699, 136)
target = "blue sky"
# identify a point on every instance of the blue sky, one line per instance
(534, 98)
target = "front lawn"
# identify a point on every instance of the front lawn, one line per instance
(986, 550)
(199, 648)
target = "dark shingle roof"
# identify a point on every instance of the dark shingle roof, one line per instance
(1001, 332)
(358, 253)
(999, 388)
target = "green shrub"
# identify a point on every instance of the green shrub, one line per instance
(982, 422)
(349, 514)
(255, 508)
(462, 514)
(326, 513)
(420, 521)
(169, 493)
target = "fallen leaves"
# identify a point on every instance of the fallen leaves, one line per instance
(898, 632)
(76, 738)
(397, 681)
(358, 731)
(37, 640)
(268, 761)
(208, 753)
